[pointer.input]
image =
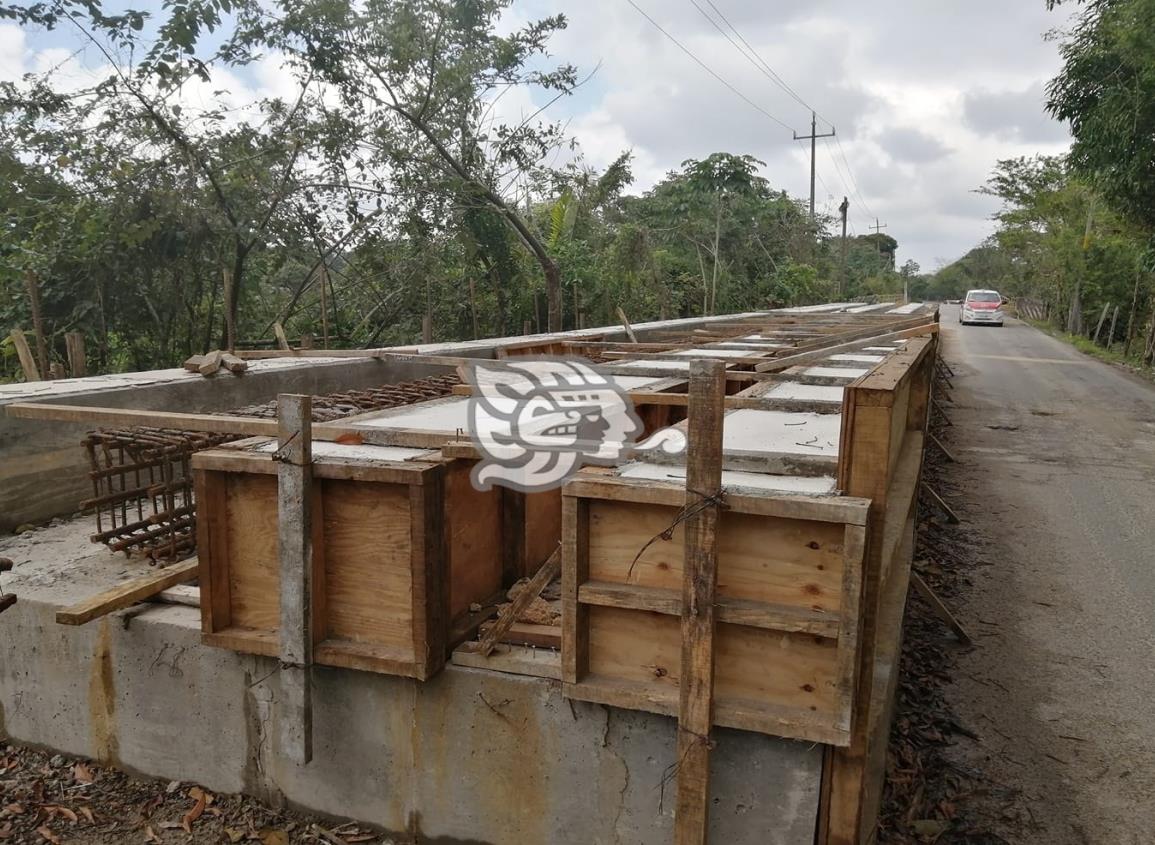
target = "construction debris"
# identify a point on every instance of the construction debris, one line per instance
(211, 362)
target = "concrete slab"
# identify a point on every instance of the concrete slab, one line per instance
(470, 757)
(836, 372)
(751, 431)
(819, 486)
(857, 358)
(806, 392)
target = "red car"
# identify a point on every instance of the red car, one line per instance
(981, 307)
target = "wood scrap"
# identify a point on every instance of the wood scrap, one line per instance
(211, 363)
(548, 571)
(128, 593)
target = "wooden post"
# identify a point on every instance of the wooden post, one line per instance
(699, 582)
(27, 362)
(282, 340)
(473, 306)
(1099, 327)
(33, 283)
(626, 325)
(526, 327)
(1111, 331)
(295, 539)
(230, 322)
(427, 329)
(324, 306)
(56, 370)
(77, 363)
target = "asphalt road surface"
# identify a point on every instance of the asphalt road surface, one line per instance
(1056, 482)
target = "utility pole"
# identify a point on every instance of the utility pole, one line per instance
(843, 208)
(813, 138)
(878, 227)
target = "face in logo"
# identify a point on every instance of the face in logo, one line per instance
(536, 421)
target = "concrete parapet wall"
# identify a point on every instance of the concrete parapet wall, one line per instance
(470, 757)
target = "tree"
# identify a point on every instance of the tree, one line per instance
(1106, 91)
(419, 75)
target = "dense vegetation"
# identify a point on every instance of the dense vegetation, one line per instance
(1077, 234)
(161, 217)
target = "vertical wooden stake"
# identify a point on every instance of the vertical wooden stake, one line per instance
(27, 362)
(295, 540)
(427, 329)
(230, 310)
(282, 340)
(33, 283)
(699, 582)
(626, 325)
(77, 363)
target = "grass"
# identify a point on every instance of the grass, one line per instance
(1085, 345)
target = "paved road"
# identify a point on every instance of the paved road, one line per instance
(1057, 482)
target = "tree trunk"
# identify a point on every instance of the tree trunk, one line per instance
(1131, 316)
(552, 291)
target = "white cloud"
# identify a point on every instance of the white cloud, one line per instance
(925, 97)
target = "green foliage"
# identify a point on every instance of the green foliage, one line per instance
(383, 188)
(1106, 91)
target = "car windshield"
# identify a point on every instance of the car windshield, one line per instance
(984, 296)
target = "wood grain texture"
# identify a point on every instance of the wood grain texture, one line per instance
(128, 593)
(699, 585)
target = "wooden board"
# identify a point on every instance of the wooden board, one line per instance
(788, 605)
(128, 593)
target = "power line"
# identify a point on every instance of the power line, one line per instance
(764, 67)
(769, 71)
(707, 68)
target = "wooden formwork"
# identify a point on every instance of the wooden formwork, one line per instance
(883, 427)
(401, 549)
(789, 570)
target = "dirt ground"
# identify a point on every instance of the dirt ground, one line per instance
(50, 799)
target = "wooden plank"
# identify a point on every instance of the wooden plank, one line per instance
(77, 362)
(574, 572)
(730, 611)
(295, 548)
(116, 417)
(514, 659)
(24, 353)
(940, 608)
(546, 573)
(431, 592)
(841, 509)
(212, 541)
(128, 593)
(778, 364)
(700, 581)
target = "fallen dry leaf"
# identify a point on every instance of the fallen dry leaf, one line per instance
(61, 811)
(15, 809)
(88, 814)
(351, 438)
(6, 831)
(150, 834)
(198, 795)
(234, 834)
(82, 774)
(47, 835)
(274, 837)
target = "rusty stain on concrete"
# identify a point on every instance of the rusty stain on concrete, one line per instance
(102, 698)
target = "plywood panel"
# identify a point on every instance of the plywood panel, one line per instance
(542, 527)
(368, 579)
(254, 568)
(751, 664)
(792, 562)
(473, 523)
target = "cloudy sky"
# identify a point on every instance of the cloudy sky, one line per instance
(925, 96)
